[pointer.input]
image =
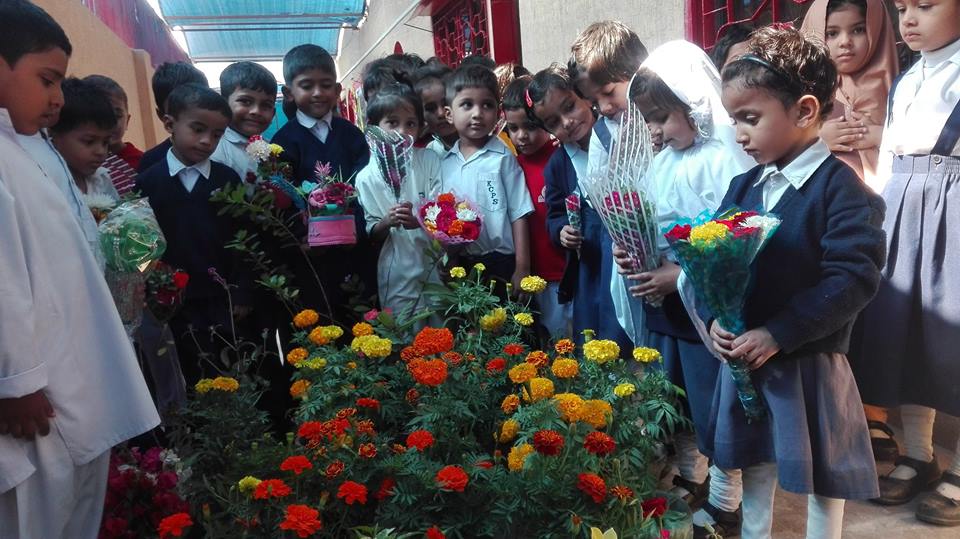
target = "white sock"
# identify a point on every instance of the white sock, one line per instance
(759, 488)
(726, 489)
(917, 437)
(690, 461)
(824, 517)
(949, 490)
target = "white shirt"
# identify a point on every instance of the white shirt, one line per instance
(59, 327)
(491, 179)
(100, 183)
(187, 174)
(796, 173)
(319, 127)
(232, 151)
(598, 155)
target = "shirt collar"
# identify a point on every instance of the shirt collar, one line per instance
(493, 145)
(6, 124)
(798, 171)
(234, 137)
(950, 53)
(572, 149)
(176, 166)
(310, 122)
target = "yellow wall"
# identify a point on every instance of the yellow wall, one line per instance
(97, 50)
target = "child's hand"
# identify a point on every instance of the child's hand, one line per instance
(841, 134)
(722, 339)
(623, 260)
(755, 347)
(657, 284)
(570, 238)
(26, 417)
(404, 216)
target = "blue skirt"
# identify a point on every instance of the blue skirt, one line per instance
(816, 432)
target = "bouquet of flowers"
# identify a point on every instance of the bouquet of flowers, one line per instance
(100, 205)
(165, 286)
(272, 173)
(392, 152)
(328, 212)
(449, 220)
(716, 256)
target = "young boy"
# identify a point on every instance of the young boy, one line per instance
(167, 77)
(70, 387)
(124, 157)
(251, 91)
(428, 82)
(179, 188)
(482, 169)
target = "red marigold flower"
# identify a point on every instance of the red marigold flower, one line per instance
(428, 372)
(352, 492)
(496, 364)
(654, 507)
(337, 426)
(398, 449)
(311, 430)
(593, 486)
(538, 358)
(435, 533)
(513, 349)
(564, 346)
(365, 428)
(446, 199)
(296, 464)
(599, 443)
(622, 492)
(548, 442)
(302, 520)
(173, 525)
(365, 402)
(456, 228)
(334, 469)
(386, 488)
(344, 413)
(452, 478)
(409, 353)
(420, 439)
(271, 488)
(453, 358)
(412, 395)
(367, 451)
(485, 464)
(433, 341)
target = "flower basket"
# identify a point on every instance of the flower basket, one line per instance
(325, 230)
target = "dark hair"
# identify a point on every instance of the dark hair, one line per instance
(607, 51)
(305, 57)
(733, 34)
(84, 103)
(432, 71)
(788, 65)
(471, 76)
(27, 29)
(384, 72)
(392, 97)
(647, 85)
(247, 76)
(170, 75)
(834, 5)
(191, 96)
(515, 95)
(507, 73)
(410, 61)
(477, 60)
(107, 85)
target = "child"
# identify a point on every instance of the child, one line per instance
(429, 84)
(251, 91)
(179, 188)
(82, 136)
(403, 267)
(553, 102)
(732, 44)
(124, 157)
(480, 168)
(816, 273)
(908, 353)
(165, 79)
(381, 73)
(862, 44)
(70, 386)
(534, 148)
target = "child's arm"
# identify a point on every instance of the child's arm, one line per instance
(558, 226)
(521, 244)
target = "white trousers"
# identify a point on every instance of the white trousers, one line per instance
(824, 515)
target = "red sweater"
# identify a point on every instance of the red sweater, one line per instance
(547, 260)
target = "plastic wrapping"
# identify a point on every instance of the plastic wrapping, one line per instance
(131, 238)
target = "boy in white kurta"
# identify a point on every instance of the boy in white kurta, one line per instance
(70, 387)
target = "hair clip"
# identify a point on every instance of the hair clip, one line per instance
(782, 26)
(526, 95)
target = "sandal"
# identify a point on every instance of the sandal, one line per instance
(899, 491)
(884, 448)
(936, 508)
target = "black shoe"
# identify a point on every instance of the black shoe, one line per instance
(696, 493)
(900, 491)
(726, 523)
(936, 508)
(884, 449)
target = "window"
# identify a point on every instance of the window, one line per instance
(460, 29)
(707, 19)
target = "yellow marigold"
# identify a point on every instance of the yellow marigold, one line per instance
(540, 388)
(569, 405)
(306, 318)
(480, 267)
(314, 363)
(493, 320)
(533, 284)
(517, 456)
(522, 373)
(225, 383)
(564, 346)
(601, 350)
(708, 233)
(372, 346)
(524, 319)
(565, 368)
(204, 385)
(299, 389)
(508, 431)
(276, 150)
(295, 356)
(595, 413)
(624, 390)
(247, 484)
(510, 404)
(458, 272)
(361, 329)
(332, 333)
(646, 355)
(351, 365)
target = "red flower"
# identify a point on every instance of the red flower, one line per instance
(485, 464)
(412, 396)
(548, 442)
(365, 428)
(173, 525)
(433, 341)
(296, 464)
(334, 469)
(453, 358)
(180, 279)
(302, 520)
(599, 443)
(421, 439)
(386, 488)
(446, 199)
(513, 349)
(365, 402)
(496, 364)
(593, 486)
(352, 492)
(471, 230)
(271, 488)
(311, 430)
(678, 232)
(664, 534)
(428, 372)
(654, 507)
(452, 478)
(742, 231)
(435, 533)
(113, 527)
(367, 451)
(622, 492)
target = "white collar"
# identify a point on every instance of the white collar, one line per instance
(235, 137)
(6, 124)
(310, 122)
(798, 171)
(572, 148)
(492, 145)
(175, 165)
(950, 52)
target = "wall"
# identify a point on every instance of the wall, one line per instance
(97, 50)
(415, 36)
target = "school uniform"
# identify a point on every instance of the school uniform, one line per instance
(232, 151)
(307, 141)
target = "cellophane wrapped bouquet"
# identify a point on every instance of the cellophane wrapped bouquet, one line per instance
(450, 220)
(272, 173)
(392, 151)
(716, 255)
(100, 205)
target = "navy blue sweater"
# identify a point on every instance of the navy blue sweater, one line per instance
(154, 155)
(345, 149)
(822, 266)
(560, 180)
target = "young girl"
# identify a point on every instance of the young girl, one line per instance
(908, 355)
(862, 44)
(677, 89)
(439, 132)
(815, 274)
(553, 102)
(403, 267)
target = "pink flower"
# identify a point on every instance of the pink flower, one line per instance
(322, 171)
(371, 315)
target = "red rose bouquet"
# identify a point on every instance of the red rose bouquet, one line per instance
(165, 289)
(142, 493)
(450, 221)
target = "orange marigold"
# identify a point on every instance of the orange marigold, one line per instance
(593, 486)
(447, 198)
(173, 525)
(496, 364)
(271, 488)
(428, 372)
(433, 341)
(564, 346)
(453, 358)
(365, 427)
(361, 329)
(334, 469)
(510, 404)
(367, 451)
(622, 492)
(306, 318)
(318, 337)
(513, 349)
(299, 388)
(538, 358)
(599, 443)
(296, 464)
(455, 228)
(295, 356)
(408, 353)
(302, 520)
(352, 492)
(522, 373)
(452, 478)
(420, 439)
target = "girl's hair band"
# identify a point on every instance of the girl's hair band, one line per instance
(527, 98)
(776, 70)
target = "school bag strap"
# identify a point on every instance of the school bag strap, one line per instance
(603, 133)
(950, 134)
